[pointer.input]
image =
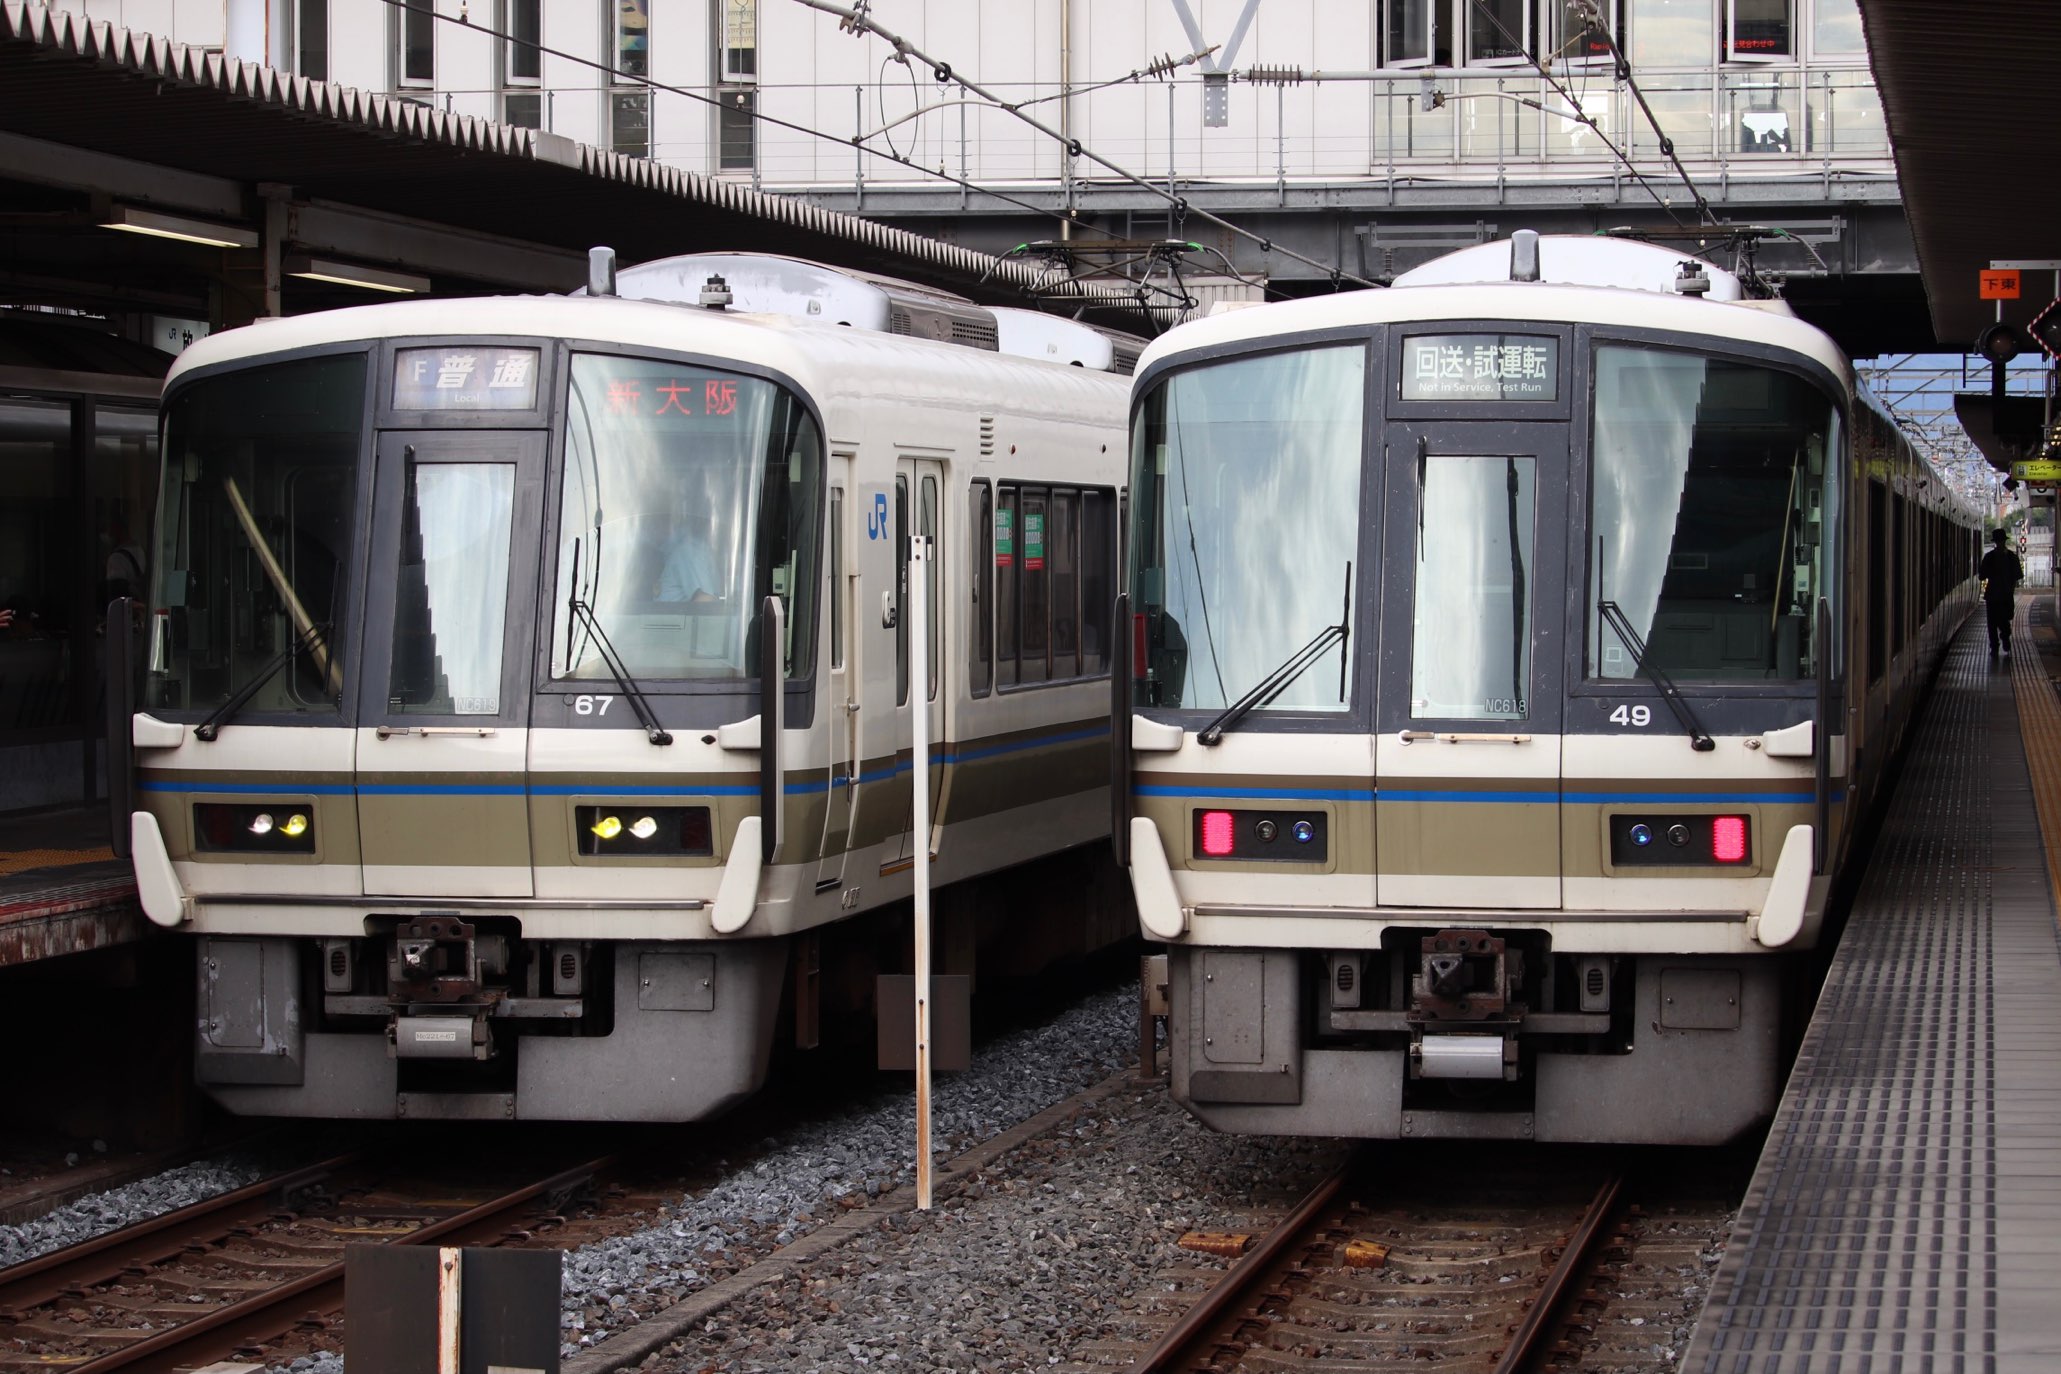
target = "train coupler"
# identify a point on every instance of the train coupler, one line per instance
(1467, 975)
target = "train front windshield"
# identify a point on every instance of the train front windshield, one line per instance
(1714, 502)
(1245, 490)
(256, 523)
(689, 495)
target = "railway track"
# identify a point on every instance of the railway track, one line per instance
(259, 1268)
(1469, 1261)
(1352, 1277)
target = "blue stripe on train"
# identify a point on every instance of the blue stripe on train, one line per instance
(428, 789)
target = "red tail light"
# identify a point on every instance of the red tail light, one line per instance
(1138, 646)
(1218, 838)
(1728, 839)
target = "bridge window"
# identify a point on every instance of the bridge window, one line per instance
(415, 58)
(1760, 30)
(629, 106)
(737, 87)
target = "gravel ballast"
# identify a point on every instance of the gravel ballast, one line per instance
(126, 1205)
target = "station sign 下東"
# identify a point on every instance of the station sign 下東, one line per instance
(1998, 284)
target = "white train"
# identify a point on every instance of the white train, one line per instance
(1513, 653)
(526, 729)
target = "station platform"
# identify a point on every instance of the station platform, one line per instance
(1905, 1215)
(62, 890)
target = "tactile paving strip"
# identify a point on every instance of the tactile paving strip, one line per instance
(1906, 1212)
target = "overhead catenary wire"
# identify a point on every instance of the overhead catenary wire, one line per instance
(1624, 74)
(774, 121)
(855, 20)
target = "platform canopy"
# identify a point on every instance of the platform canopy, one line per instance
(1969, 91)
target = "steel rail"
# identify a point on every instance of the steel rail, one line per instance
(1185, 1339)
(222, 1332)
(36, 1281)
(1532, 1331)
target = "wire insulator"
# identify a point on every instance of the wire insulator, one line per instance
(1274, 76)
(1163, 66)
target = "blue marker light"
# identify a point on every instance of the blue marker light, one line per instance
(1642, 835)
(1304, 832)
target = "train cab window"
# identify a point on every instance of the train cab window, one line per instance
(257, 521)
(690, 495)
(451, 589)
(980, 644)
(1225, 456)
(1472, 654)
(1710, 515)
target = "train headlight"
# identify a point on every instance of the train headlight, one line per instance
(1678, 835)
(650, 832)
(254, 827)
(1304, 832)
(1642, 835)
(1265, 832)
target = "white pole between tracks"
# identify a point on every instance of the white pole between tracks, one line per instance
(919, 774)
(450, 1302)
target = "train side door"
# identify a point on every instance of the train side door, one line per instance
(443, 713)
(1469, 703)
(880, 806)
(924, 479)
(840, 693)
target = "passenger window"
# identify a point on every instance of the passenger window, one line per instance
(1097, 589)
(1064, 559)
(1006, 617)
(981, 606)
(1036, 610)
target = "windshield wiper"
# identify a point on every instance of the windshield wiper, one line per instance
(1699, 739)
(305, 641)
(575, 607)
(1277, 681)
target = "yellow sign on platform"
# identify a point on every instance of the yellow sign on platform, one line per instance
(2043, 471)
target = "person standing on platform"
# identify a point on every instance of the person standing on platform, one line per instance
(2001, 574)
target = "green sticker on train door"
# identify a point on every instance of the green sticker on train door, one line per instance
(1005, 537)
(1033, 540)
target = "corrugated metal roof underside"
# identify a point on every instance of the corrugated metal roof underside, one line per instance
(84, 84)
(1968, 90)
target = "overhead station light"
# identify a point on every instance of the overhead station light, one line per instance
(131, 220)
(355, 274)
